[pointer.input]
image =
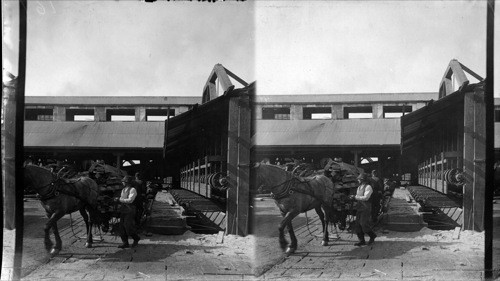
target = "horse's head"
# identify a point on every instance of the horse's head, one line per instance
(37, 178)
(264, 177)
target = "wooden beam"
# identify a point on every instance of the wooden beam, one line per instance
(479, 159)
(468, 192)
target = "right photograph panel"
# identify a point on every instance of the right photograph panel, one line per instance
(367, 139)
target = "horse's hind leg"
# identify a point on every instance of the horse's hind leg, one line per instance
(88, 228)
(324, 224)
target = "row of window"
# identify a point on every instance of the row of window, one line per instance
(283, 113)
(47, 114)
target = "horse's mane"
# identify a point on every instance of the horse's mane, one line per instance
(38, 167)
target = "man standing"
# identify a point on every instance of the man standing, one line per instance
(128, 213)
(363, 211)
(139, 201)
(378, 188)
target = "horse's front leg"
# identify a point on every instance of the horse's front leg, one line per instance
(48, 225)
(281, 234)
(88, 228)
(324, 225)
(284, 223)
(293, 245)
(52, 223)
(57, 248)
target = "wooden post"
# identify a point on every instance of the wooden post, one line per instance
(238, 159)
(435, 173)
(13, 150)
(198, 171)
(479, 159)
(444, 187)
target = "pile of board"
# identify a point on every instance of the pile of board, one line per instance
(108, 178)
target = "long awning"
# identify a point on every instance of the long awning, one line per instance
(327, 133)
(94, 135)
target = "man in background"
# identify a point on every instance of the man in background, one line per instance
(378, 189)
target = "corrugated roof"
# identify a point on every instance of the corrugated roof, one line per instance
(97, 135)
(111, 100)
(352, 132)
(348, 98)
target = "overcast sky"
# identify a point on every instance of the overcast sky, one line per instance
(133, 48)
(366, 47)
(164, 48)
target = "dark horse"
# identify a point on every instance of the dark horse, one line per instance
(60, 197)
(294, 195)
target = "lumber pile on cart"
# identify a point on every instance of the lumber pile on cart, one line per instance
(108, 178)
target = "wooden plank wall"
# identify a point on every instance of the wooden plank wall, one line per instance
(238, 168)
(474, 160)
(458, 142)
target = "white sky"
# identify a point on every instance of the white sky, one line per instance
(332, 47)
(133, 48)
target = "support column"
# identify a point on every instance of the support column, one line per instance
(118, 160)
(378, 111)
(100, 114)
(356, 157)
(337, 112)
(59, 113)
(258, 112)
(140, 114)
(296, 112)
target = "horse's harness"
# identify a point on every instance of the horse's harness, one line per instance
(55, 190)
(289, 190)
(337, 200)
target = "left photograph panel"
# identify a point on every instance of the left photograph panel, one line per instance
(126, 134)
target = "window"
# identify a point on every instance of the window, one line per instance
(358, 112)
(396, 111)
(79, 114)
(159, 114)
(39, 114)
(317, 113)
(120, 114)
(277, 113)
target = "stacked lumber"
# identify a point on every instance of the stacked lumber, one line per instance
(108, 178)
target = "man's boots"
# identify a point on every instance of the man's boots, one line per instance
(125, 242)
(361, 237)
(372, 237)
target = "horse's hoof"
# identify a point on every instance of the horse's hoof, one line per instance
(88, 245)
(54, 252)
(290, 250)
(324, 243)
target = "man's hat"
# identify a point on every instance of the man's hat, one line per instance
(127, 179)
(362, 177)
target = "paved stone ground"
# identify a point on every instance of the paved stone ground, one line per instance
(423, 255)
(188, 256)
